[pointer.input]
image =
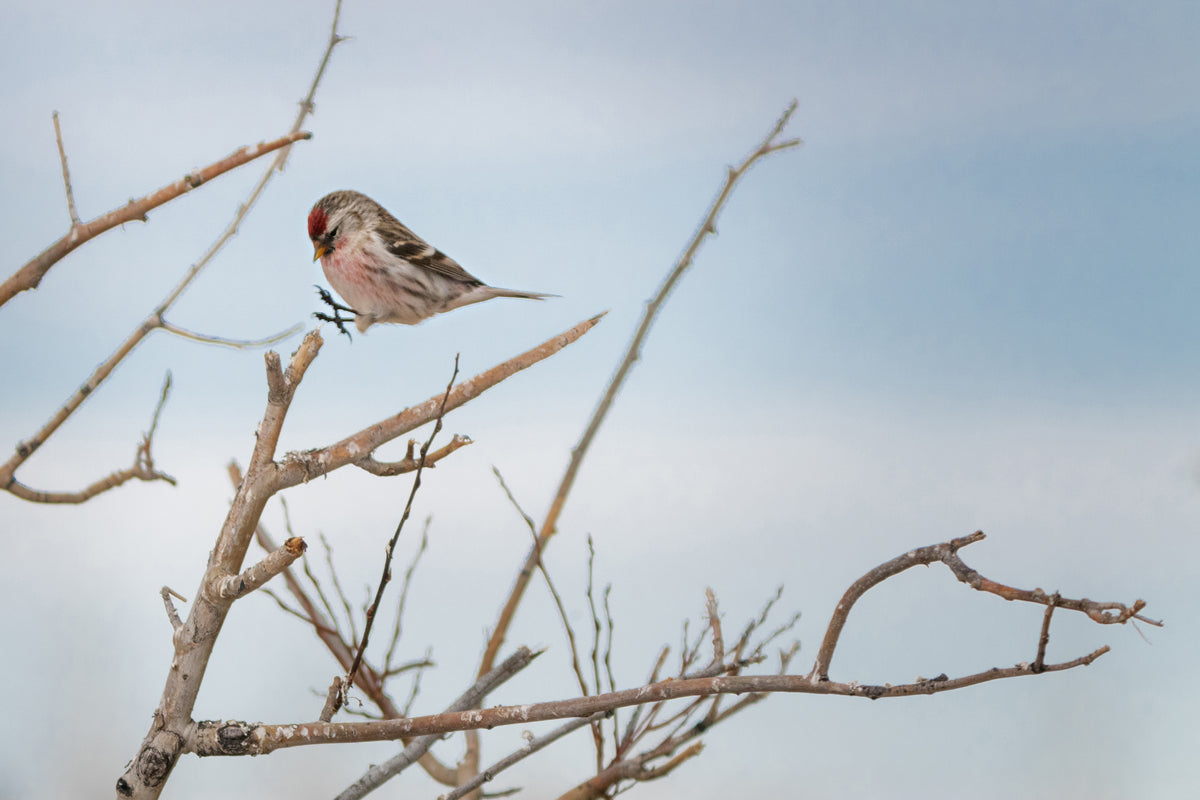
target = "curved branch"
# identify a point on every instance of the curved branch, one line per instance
(947, 553)
(237, 344)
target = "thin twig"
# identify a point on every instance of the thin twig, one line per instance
(387, 469)
(391, 547)
(947, 553)
(167, 593)
(337, 587)
(530, 747)
(608, 670)
(707, 227)
(377, 775)
(237, 344)
(572, 642)
(397, 625)
(1044, 637)
(597, 729)
(369, 681)
(412, 698)
(62, 156)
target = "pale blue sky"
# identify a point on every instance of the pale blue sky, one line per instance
(967, 302)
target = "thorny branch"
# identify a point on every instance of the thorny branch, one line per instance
(770, 144)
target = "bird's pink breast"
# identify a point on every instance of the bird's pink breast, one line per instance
(356, 279)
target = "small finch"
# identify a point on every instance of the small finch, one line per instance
(385, 271)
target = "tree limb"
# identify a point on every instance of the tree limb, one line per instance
(30, 275)
(296, 468)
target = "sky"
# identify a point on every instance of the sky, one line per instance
(967, 302)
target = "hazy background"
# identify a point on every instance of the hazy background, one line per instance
(967, 302)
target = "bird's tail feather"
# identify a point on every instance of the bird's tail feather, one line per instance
(495, 292)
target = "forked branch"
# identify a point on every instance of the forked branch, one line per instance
(947, 553)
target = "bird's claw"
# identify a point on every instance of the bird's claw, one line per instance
(337, 319)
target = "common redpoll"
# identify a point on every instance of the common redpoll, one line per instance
(385, 271)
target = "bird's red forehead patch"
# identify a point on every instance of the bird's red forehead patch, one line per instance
(317, 220)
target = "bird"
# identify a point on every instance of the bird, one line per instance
(385, 271)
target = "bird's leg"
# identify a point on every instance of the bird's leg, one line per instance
(337, 319)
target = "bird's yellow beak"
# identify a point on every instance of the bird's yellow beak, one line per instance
(319, 250)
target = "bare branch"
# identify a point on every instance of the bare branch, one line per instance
(341, 593)
(62, 156)
(237, 344)
(530, 747)
(231, 587)
(261, 739)
(142, 469)
(572, 642)
(30, 275)
(947, 553)
(387, 469)
(608, 670)
(378, 775)
(707, 227)
(167, 593)
(397, 625)
(368, 679)
(666, 769)
(297, 468)
(1111, 613)
(386, 577)
(714, 622)
(597, 729)
(1044, 637)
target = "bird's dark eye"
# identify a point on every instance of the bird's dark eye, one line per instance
(333, 232)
